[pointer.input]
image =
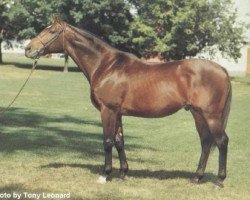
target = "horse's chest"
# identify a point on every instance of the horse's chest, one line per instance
(109, 94)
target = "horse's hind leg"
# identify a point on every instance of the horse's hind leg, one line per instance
(222, 143)
(119, 144)
(206, 143)
(216, 128)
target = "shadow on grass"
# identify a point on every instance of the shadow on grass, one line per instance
(41, 67)
(10, 188)
(31, 131)
(22, 117)
(158, 174)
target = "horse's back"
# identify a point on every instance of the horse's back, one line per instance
(165, 88)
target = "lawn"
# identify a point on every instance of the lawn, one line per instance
(51, 142)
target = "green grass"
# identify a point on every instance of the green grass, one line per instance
(51, 141)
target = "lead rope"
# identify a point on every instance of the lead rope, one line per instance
(3, 111)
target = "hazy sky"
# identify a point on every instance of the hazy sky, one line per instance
(243, 7)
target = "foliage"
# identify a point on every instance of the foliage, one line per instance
(15, 22)
(2, 19)
(177, 29)
(173, 29)
(107, 19)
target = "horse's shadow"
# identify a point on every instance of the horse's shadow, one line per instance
(137, 173)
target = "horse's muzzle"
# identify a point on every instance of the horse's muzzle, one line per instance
(33, 53)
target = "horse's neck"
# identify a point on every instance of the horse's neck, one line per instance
(87, 54)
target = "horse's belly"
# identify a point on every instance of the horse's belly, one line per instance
(149, 112)
(151, 107)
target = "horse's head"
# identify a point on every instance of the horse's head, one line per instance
(50, 40)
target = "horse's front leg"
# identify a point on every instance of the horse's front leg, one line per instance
(119, 144)
(109, 120)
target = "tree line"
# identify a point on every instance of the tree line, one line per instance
(170, 29)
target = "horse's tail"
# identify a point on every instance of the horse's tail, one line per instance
(226, 110)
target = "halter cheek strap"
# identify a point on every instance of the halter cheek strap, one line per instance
(53, 37)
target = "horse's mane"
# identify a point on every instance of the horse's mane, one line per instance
(96, 41)
(91, 37)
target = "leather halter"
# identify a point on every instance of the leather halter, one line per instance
(53, 37)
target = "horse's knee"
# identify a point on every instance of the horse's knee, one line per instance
(206, 140)
(119, 145)
(108, 144)
(222, 141)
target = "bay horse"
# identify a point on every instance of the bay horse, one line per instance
(123, 85)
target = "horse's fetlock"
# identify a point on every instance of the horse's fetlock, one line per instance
(108, 169)
(124, 167)
(222, 176)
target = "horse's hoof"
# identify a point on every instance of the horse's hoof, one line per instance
(124, 177)
(195, 180)
(219, 184)
(102, 179)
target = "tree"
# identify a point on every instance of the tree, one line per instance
(2, 20)
(15, 22)
(108, 19)
(175, 29)
(172, 29)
